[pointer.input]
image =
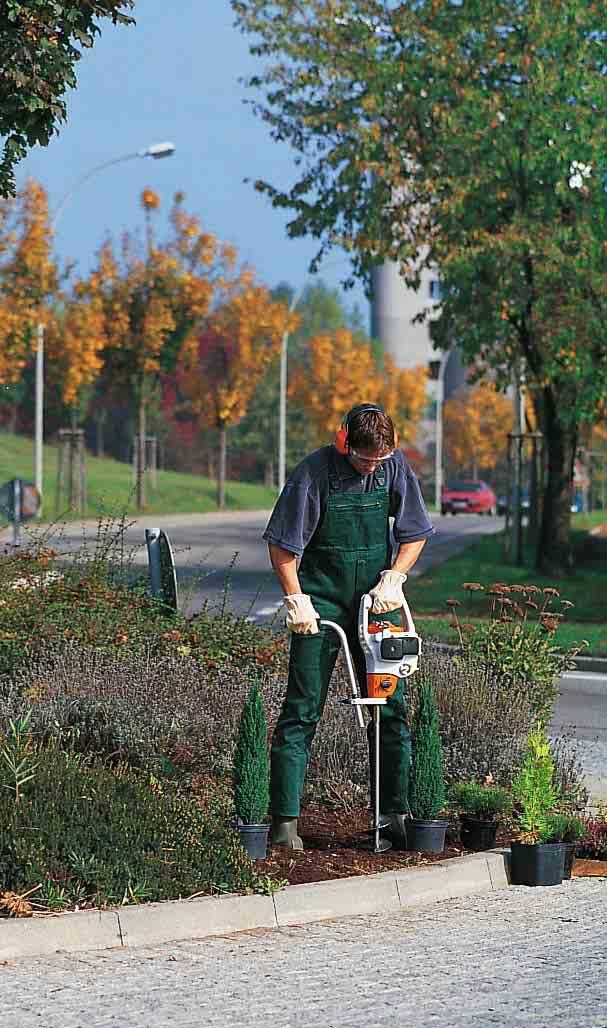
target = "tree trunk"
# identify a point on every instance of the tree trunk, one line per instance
(99, 436)
(269, 474)
(553, 555)
(12, 420)
(221, 477)
(140, 492)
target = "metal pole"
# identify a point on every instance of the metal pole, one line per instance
(39, 417)
(16, 511)
(440, 403)
(152, 538)
(438, 470)
(376, 724)
(282, 415)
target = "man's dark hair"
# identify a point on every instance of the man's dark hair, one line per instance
(370, 429)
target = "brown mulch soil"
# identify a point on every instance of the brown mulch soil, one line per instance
(583, 868)
(334, 847)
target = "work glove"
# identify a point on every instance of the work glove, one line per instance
(388, 593)
(301, 616)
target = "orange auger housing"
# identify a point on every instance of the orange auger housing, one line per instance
(391, 651)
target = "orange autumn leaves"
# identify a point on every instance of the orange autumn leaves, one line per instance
(477, 421)
(185, 306)
(221, 369)
(341, 370)
(28, 277)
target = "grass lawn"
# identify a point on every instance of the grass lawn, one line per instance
(110, 485)
(483, 562)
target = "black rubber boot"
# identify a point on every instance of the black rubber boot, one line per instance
(284, 833)
(396, 831)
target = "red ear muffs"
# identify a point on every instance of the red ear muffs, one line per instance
(341, 440)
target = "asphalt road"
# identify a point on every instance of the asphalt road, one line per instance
(218, 552)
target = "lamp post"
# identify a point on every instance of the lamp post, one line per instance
(282, 398)
(157, 151)
(440, 367)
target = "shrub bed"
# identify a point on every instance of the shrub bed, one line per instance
(87, 835)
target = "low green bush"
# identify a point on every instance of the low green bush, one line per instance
(87, 835)
(565, 827)
(97, 605)
(485, 802)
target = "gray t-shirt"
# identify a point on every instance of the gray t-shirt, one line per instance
(303, 501)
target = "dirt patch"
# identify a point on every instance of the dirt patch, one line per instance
(334, 842)
(583, 868)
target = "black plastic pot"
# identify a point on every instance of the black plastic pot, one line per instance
(254, 839)
(476, 834)
(570, 848)
(426, 836)
(542, 864)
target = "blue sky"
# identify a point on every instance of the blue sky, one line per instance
(173, 77)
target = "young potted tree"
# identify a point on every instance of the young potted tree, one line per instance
(480, 806)
(426, 831)
(535, 858)
(251, 777)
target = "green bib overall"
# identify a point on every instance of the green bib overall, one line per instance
(342, 561)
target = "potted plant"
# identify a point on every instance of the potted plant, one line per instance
(480, 806)
(425, 830)
(251, 777)
(535, 858)
(568, 829)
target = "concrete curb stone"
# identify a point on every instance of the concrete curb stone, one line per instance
(181, 920)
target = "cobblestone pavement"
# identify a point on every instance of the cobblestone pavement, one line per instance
(516, 958)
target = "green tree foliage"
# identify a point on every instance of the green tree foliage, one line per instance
(468, 136)
(426, 788)
(251, 777)
(40, 44)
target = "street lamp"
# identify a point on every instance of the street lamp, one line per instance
(157, 151)
(439, 367)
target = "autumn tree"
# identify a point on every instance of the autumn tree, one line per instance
(477, 421)
(152, 302)
(41, 42)
(468, 137)
(28, 277)
(75, 341)
(320, 308)
(341, 371)
(220, 371)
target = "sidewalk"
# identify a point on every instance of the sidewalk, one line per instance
(509, 959)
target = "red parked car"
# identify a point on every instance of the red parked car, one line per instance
(468, 498)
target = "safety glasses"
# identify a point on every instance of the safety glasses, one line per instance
(369, 460)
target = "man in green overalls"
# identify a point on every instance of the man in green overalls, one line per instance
(333, 516)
